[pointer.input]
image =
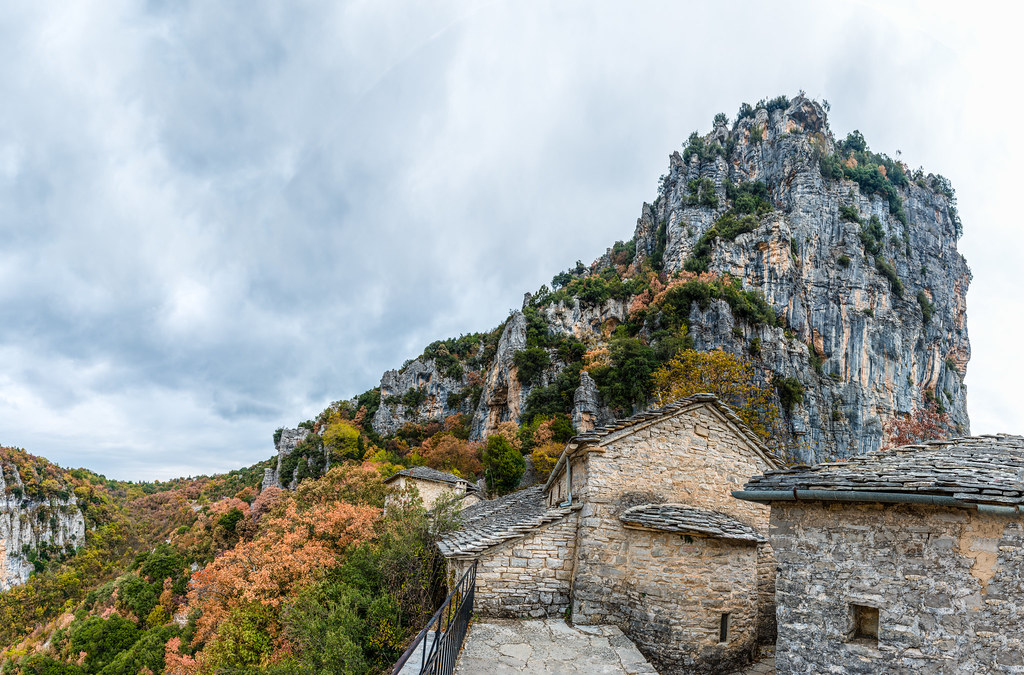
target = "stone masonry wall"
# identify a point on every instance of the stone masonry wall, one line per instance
(695, 458)
(948, 585)
(525, 577)
(676, 592)
(430, 491)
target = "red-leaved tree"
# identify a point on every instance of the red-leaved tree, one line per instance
(924, 424)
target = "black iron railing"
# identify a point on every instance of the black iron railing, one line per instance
(436, 648)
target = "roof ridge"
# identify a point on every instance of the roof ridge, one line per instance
(971, 469)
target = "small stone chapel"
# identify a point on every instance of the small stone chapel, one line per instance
(636, 527)
(906, 560)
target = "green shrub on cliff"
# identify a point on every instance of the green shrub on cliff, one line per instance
(530, 364)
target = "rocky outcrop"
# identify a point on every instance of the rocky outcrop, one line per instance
(503, 396)
(27, 524)
(270, 479)
(869, 327)
(418, 391)
(586, 323)
(285, 444)
(586, 410)
(862, 351)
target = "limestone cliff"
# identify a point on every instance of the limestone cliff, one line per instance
(29, 524)
(851, 256)
(862, 350)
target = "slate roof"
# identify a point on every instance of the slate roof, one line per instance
(974, 470)
(688, 520)
(425, 473)
(495, 521)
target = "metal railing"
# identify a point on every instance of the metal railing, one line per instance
(437, 646)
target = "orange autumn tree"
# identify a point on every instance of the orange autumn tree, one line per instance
(546, 451)
(733, 380)
(294, 544)
(445, 452)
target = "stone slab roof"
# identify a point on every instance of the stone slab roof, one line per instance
(425, 473)
(688, 520)
(974, 469)
(496, 521)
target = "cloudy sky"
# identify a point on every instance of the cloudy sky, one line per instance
(217, 217)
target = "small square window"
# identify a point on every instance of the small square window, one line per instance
(723, 628)
(865, 623)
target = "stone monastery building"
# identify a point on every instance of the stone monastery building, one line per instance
(908, 560)
(432, 484)
(636, 527)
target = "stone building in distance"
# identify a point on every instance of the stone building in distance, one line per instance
(908, 560)
(636, 527)
(431, 484)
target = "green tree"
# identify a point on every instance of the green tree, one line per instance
(530, 364)
(503, 465)
(626, 382)
(245, 639)
(327, 622)
(343, 440)
(102, 640)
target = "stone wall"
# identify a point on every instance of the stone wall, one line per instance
(948, 585)
(676, 589)
(525, 577)
(697, 458)
(694, 458)
(430, 490)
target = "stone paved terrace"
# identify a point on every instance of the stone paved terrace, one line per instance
(764, 666)
(548, 647)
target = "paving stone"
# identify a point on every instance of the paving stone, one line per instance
(548, 647)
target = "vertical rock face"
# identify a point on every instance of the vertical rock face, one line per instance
(870, 290)
(430, 389)
(879, 355)
(587, 408)
(503, 396)
(26, 524)
(286, 444)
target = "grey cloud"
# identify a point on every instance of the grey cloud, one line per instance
(217, 218)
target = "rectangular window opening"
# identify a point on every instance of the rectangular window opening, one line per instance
(865, 623)
(723, 628)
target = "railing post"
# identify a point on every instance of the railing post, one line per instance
(455, 613)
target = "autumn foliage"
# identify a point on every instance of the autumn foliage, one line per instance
(294, 544)
(734, 380)
(445, 452)
(924, 424)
